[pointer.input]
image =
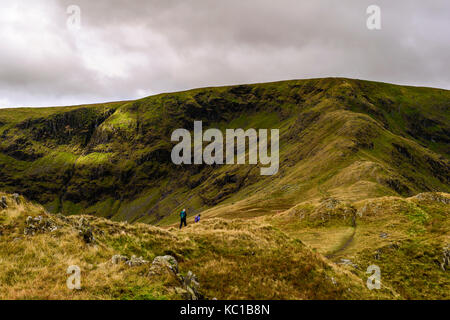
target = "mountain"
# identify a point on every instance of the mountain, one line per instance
(342, 138)
(363, 183)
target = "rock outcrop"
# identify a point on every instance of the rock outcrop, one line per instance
(162, 264)
(134, 261)
(85, 231)
(117, 258)
(16, 198)
(167, 264)
(3, 203)
(38, 224)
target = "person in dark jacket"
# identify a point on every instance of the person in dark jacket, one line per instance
(183, 218)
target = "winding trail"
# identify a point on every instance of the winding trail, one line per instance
(346, 244)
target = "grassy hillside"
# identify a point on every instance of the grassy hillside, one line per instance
(341, 138)
(297, 254)
(232, 259)
(408, 238)
(363, 180)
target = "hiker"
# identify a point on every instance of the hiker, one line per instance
(197, 218)
(183, 218)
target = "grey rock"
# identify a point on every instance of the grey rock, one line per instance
(192, 285)
(85, 231)
(38, 224)
(167, 261)
(384, 235)
(136, 261)
(16, 198)
(131, 262)
(3, 203)
(330, 203)
(116, 259)
(169, 265)
(348, 262)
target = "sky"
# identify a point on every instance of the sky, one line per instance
(68, 52)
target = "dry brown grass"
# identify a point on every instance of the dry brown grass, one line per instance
(233, 259)
(416, 230)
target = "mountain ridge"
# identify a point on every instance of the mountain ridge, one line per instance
(114, 159)
(363, 182)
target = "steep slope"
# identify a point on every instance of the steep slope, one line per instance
(345, 138)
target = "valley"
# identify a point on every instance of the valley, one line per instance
(363, 179)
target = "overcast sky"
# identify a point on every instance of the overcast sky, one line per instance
(131, 49)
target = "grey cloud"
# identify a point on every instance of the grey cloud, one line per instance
(126, 49)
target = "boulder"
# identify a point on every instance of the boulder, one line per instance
(166, 261)
(131, 262)
(330, 203)
(168, 265)
(164, 265)
(192, 286)
(16, 198)
(85, 231)
(38, 224)
(191, 280)
(116, 259)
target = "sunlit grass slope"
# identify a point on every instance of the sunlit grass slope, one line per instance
(345, 138)
(233, 259)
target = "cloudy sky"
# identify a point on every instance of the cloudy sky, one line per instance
(135, 48)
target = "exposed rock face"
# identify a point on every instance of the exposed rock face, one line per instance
(433, 196)
(191, 285)
(85, 231)
(135, 158)
(330, 203)
(168, 265)
(38, 225)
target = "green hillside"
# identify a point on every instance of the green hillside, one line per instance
(344, 138)
(363, 180)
